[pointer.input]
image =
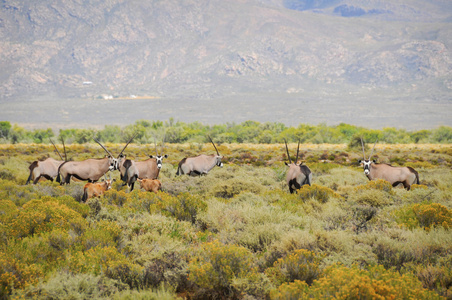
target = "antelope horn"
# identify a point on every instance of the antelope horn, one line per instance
(298, 148)
(372, 150)
(127, 144)
(108, 152)
(56, 148)
(287, 149)
(64, 147)
(214, 145)
(362, 144)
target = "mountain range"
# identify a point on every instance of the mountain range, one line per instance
(209, 49)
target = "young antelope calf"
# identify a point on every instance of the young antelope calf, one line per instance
(91, 190)
(150, 185)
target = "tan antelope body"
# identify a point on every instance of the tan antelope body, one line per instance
(91, 190)
(47, 168)
(150, 185)
(90, 170)
(395, 175)
(199, 165)
(298, 174)
(150, 168)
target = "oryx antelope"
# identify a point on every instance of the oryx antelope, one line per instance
(395, 175)
(150, 185)
(97, 189)
(200, 164)
(91, 169)
(298, 174)
(127, 168)
(150, 168)
(47, 168)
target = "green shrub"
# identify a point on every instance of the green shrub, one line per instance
(72, 286)
(103, 233)
(320, 193)
(424, 215)
(301, 264)
(215, 268)
(232, 187)
(340, 282)
(39, 216)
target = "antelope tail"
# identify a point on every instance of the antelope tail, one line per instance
(31, 167)
(179, 168)
(58, 178)
(415, 173)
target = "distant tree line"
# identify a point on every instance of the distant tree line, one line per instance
(246, 132)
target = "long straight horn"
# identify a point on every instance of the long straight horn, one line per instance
(364, 154)
(156, 151)
(108, 152)
(372, 150)
(56, 149)
(287, 149)
(298, 148)
(127, 144)
(214, 145)
(64, 147)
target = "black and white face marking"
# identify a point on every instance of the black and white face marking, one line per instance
(366, 166)
(113, 163)
(159, 160)
(218, 161)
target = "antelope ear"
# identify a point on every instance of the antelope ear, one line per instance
(165, 156)
(114, 179)
(375, 161)
(360, 161)
(151, 156)
(286, 163)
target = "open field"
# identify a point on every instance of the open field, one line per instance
(235, 233)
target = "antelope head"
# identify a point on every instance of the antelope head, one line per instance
(159, 158)
(218, 157)
(367, 162)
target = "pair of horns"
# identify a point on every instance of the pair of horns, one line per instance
(288, 155)
(214, 145)
(64, 147)
(371, 152)
(163, 144)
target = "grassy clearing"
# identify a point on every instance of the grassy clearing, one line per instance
(238, 226)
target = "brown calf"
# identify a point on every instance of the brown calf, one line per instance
(150, 185)
(96, 189)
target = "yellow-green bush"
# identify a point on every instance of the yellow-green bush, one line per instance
(215, 268)
(379, 184)
(16, 274)
(424, 215)
(340, 282)
(301, 264)
(39, 216)
(104, 233)
(318, 192)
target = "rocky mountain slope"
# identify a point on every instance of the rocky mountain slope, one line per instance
(210, 48)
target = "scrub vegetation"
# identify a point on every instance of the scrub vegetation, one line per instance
(236, 233)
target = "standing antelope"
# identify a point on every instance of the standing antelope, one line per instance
(200, 164)
(150, 168)
(90, 169)
(395, 175)
(298, 174)
(127, 168)
(96, 189)
(47, 168)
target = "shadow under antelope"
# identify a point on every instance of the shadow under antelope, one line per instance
(395, 175)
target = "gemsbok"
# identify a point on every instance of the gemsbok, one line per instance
(201, 164)
(97, 189)
(127, 168)
(47, 168)
(395, 175)
(90, 170)
(298, 174)
(150, 168)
